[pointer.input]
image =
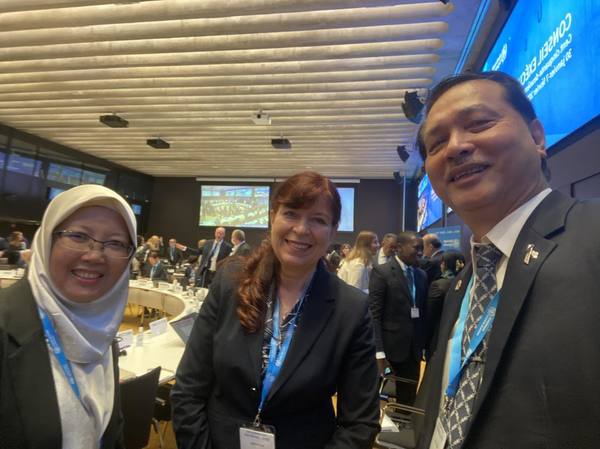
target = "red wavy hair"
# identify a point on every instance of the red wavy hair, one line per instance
(261, 268)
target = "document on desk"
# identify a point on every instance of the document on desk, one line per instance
(158, 327)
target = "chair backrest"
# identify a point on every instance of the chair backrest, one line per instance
(137, 403)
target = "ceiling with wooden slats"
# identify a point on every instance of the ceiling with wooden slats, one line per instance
(331, 74)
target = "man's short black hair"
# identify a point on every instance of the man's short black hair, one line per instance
(406, 237)
(513, 93)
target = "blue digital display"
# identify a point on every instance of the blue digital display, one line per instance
(347, 216)
(136, 208)
(53, 192)
(553, 49)
(429, 205)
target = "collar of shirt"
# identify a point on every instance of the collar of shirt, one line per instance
(402, 264)
(381, 258)
(504, 234)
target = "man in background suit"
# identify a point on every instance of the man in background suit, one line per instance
(240, 247)
(528, 329)
(174, 254)
(213, 252)
(389, 245)
(397, 299)
(432, 257)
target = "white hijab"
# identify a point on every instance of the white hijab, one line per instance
(86, 330)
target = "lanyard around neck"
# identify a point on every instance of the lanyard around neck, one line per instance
(57, 350)
(483, 327)
(276, 358)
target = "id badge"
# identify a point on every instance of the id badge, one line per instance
(438, 440)
(414, 312)
(262, 437)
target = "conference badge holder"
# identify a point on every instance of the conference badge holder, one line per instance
(257, 436)
(414, 312)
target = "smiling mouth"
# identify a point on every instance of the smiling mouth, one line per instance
(87, 275)
(298, 245)
(468, 172)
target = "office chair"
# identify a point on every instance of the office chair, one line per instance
(137, 404)
(404, 422)
(162, 411)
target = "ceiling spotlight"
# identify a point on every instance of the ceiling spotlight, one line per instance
(413, 107)
(114, 121)
(402, 153)
(281, 144)
(261, 118)
(158, 143)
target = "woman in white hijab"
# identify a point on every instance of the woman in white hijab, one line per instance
(58, 374)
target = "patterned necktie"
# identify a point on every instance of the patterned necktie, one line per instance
(459, 412)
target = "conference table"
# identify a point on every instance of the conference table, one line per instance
(164, 350)
(9, 277)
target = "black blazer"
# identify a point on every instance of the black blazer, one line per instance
(218, 381)
(541, 381)
(243, 250)
(396, 333)
(174, 255)
(29, 415)
(224, 251)
(160, 274)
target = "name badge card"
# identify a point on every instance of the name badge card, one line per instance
(414, 312)
(125, 339)
(253, 438)
(158, 327)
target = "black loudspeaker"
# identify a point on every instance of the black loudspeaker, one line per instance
(402, 153)
(398, 178)
(413, 107)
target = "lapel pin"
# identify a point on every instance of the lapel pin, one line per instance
(530, 253)
(458, 285)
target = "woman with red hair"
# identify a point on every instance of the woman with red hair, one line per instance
(277, 337)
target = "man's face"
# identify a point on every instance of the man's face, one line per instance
(409, 252)
(172, 243)
(219, 234)
(389, 247)
(481, 155)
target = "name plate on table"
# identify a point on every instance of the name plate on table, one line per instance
(158, 327)
(125, 339)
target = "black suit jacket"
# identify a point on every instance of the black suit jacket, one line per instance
(160, 274)
(218, 381)
(396, 333)
(224, 251)
(175, 255)
(29, 416)
(243, 250)
(541, 381)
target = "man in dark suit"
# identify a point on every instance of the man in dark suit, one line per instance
(213, 252)
(397, 299)
(518, 357)
(432, 257)
(174, 254)
(240, 247)
(154, 268)
(389, 245)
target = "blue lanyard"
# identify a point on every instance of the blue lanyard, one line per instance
(413, 289)
(483, 327)
(52, 338)
(276, 358)
(153, 271)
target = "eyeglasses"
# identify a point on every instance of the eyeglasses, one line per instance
(80, 241)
